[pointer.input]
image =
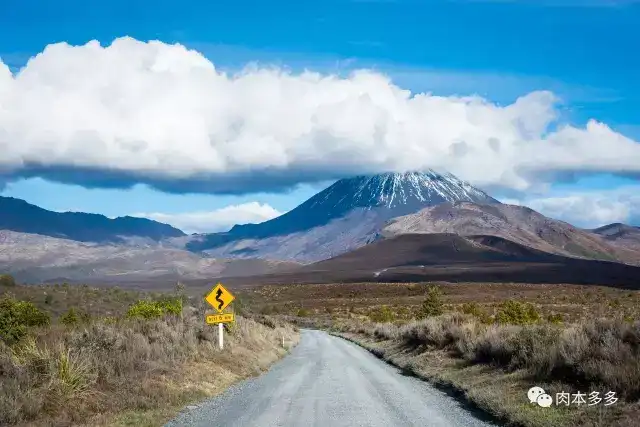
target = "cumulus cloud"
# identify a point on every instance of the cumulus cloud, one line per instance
(590, 209)
(218, 220)
(164, 115)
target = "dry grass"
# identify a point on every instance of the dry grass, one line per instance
(570, 338)
(119, 371)
(494, 365)
(340, 300)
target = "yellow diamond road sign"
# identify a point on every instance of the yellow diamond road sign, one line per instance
(219, 297)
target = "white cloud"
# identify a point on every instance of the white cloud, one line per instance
(154, 112)
(218, 220)
(589, 208)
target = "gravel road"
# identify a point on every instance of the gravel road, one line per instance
(329, 382)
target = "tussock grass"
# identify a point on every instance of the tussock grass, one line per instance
(86, 373)
(600, 353)
(491, 362)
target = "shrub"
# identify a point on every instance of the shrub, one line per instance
(382, 315)
(269, 309)
(146, 309)
(73, 317)
(7, 280)
(476, 311)
(171, 306)
(555, 318)
(48, 299)
(516, 313)
(16, 317)
(302, 312)
(432, 305)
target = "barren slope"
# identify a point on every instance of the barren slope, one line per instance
(515, 223)
(623, 236)
(34, 258)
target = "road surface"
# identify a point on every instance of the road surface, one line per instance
(329, 382)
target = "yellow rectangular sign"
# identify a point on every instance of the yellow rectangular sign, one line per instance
(219, 297)
(220, 318)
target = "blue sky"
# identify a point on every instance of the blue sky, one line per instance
(585, 52)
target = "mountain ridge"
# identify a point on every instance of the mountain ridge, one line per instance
(21, 216)
(516, 223)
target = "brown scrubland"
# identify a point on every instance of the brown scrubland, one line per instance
(489, 343)
(77, 355)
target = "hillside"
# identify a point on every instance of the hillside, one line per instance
(20, 216)
(515, 223)
(420, 250)
(451, 258)
(35, 258)
(623, 236)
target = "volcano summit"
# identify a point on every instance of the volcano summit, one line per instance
(343, 217)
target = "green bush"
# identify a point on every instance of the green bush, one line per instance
(269, 309)
(146, 309)
(555, 318)
(48, 299)
(382, 315)
(517, 313)
(171, 306)
(432, 305)
(7, 280)
(473, 309)
(73, 317)
(302, 312)
(17, 316)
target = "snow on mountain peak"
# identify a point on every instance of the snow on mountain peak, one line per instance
(343, 216)
(398, 189)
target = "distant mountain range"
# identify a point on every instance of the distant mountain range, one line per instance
(18, 215)
(40, 245)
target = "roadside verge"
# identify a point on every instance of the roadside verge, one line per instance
(499, 392)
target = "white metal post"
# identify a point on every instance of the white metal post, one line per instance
(220, 336)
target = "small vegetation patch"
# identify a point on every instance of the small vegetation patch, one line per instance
(382, 314)
(148, 309)
(432, 305)
(74, 317)
(16, 317)
(473, 309)
(517, 313)
(303, 312)
(7, 280)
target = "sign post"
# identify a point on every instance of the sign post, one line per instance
(221, 335)
(220, 298)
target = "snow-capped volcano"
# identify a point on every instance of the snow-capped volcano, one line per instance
(394, 190)
(342, 217)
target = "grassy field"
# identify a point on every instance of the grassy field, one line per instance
(489, 342)
(570, 302)
(77, 355)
